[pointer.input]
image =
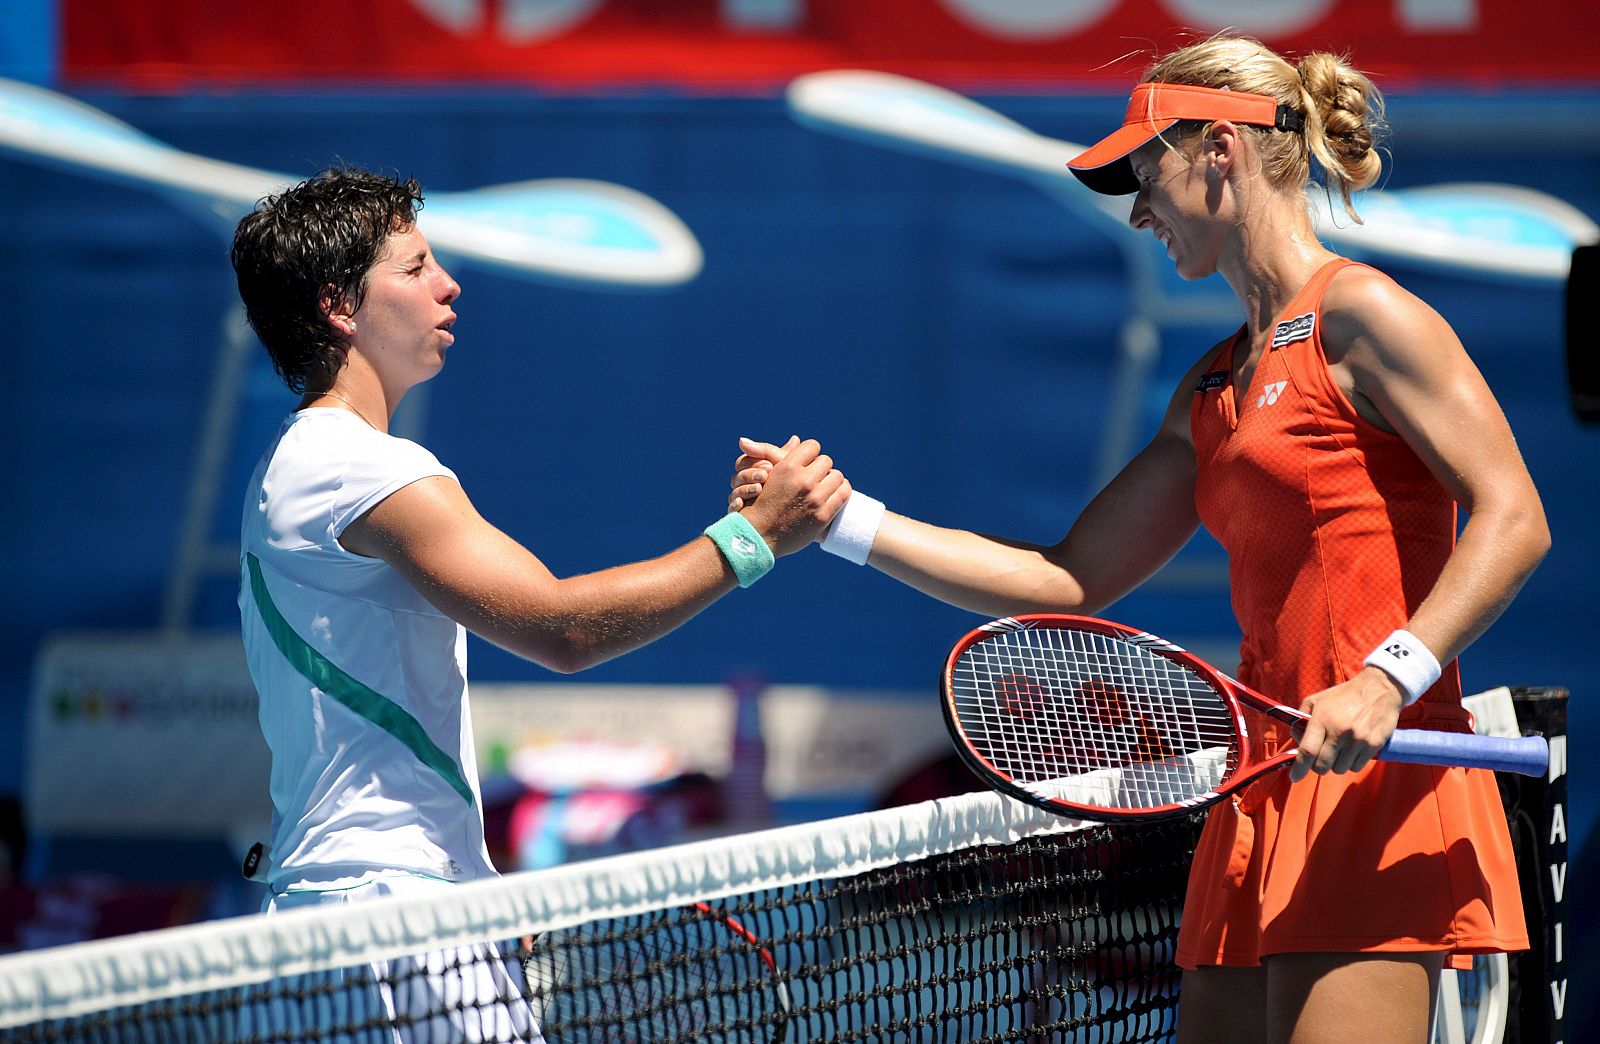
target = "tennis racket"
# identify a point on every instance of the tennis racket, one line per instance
(1096, 720)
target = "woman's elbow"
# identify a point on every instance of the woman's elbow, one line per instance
(561, 651)
(1530, 533)
(1541, 539)
(575, 648)
(567, 657)
(571, 664)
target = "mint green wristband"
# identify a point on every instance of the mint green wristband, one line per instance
(742, 546)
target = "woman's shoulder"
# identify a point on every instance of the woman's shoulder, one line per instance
(1358, 289)
(1365, 304)
(338, 438)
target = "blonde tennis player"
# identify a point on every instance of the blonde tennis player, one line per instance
(1327, 445)
(364, 563)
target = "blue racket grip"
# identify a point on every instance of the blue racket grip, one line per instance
(1528, 755)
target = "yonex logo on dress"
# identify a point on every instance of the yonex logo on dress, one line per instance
(1292, 330)
(1270, 395)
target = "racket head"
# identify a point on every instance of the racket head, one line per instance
(1092, 719)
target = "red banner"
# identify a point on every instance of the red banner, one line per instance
(722, 45)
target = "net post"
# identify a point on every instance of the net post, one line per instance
(1536, 810)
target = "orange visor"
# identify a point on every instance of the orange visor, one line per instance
(1155, 107)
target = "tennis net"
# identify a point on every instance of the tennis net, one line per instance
(975, 918)
(971, 919)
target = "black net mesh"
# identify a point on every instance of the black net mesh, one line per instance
(1066, 936)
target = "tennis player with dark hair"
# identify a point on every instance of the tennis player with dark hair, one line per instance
(364, 563)
(1326, 445)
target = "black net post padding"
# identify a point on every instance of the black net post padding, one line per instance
(1583, 346)
(1536, 809)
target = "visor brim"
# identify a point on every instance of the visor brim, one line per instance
(1105, 168)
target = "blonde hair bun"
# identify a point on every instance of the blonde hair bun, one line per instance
(1343, 110)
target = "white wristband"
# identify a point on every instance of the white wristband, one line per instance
(854, 528)
(1405, 659)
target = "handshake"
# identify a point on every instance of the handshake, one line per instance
(793, 495)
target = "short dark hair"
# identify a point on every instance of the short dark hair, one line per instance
(321, 236)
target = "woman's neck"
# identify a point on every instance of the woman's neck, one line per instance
(1275, 254)
(357, 392)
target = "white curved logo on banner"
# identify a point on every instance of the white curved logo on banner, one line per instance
(1029, 19)
(1283, 17)
(1046, 19)
(528, 21)
(520, 21)
(565, 230)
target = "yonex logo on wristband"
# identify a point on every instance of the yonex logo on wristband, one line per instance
(744, 545)
(1403, 657)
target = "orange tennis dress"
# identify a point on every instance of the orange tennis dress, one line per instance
(1335, 532)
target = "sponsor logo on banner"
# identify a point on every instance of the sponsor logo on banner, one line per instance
(513, 20)
(168, 726)
(771, 41)
(1556, 888)
(97, 703)
(1018, 20)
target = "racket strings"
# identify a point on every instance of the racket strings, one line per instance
(1093, 719)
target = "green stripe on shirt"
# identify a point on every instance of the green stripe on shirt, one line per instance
(326, 675)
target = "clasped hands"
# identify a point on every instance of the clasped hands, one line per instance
(790, 493)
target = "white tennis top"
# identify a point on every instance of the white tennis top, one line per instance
(362, 682)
